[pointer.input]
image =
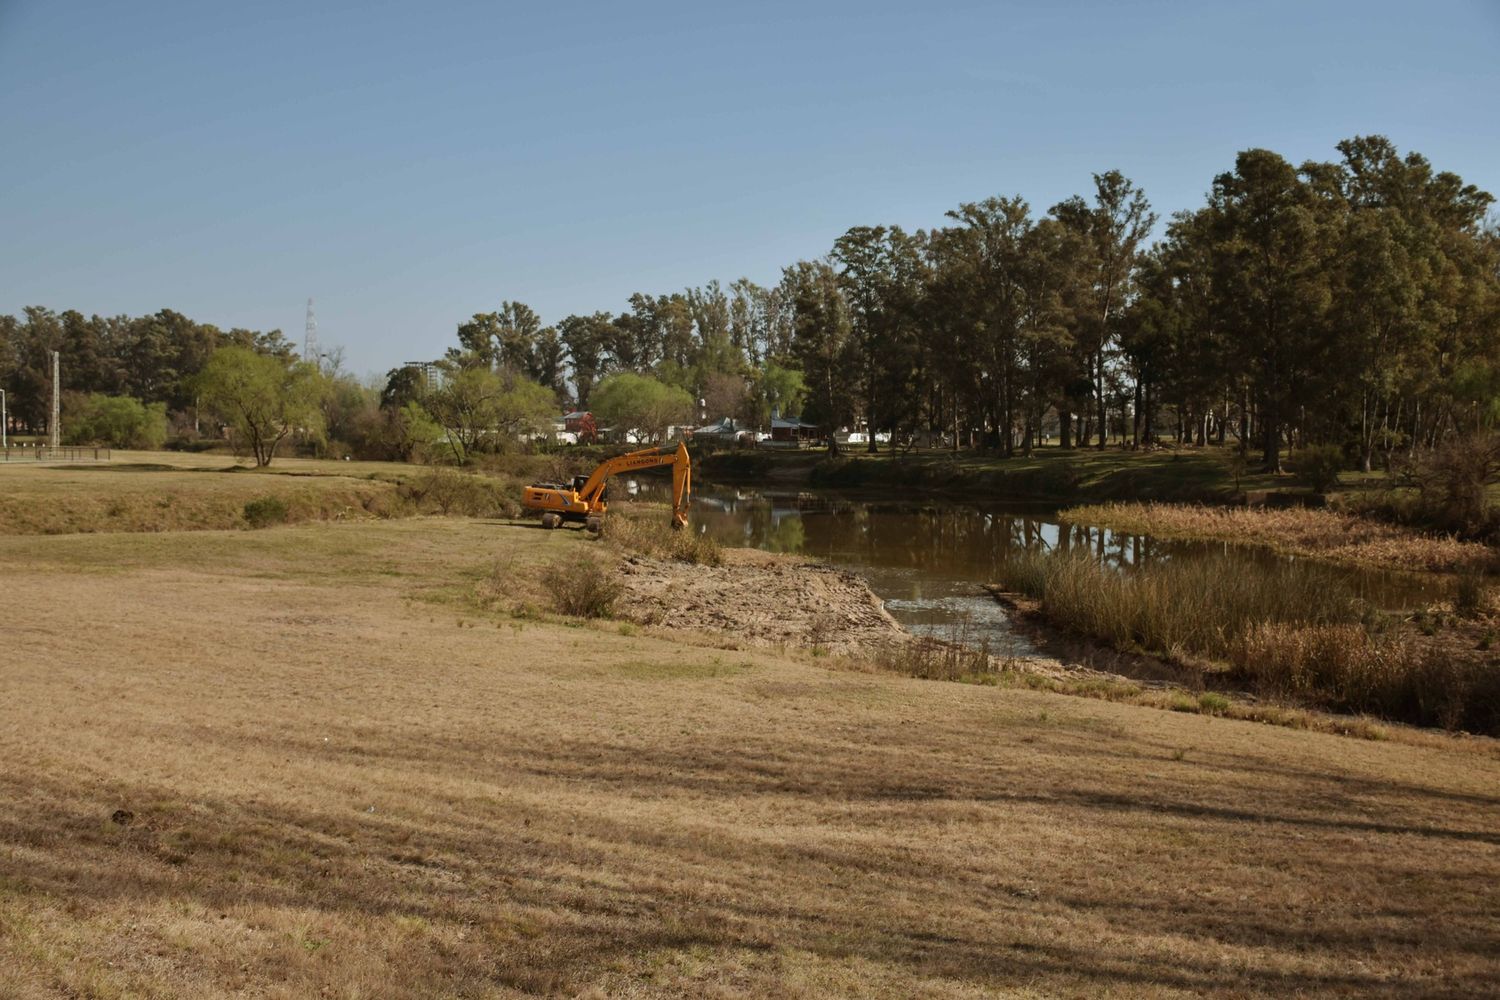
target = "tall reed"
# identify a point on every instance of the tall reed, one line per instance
(1198, 606)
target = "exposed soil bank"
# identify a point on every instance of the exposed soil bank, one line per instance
(761, 598)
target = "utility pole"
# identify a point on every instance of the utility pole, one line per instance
(55, 424)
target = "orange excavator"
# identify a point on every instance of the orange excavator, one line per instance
(582, 501)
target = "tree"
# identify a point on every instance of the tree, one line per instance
(118, 421)
(1111, 234)
(1270, 282)
(476, 405)
(262, 398)
(627, 402)
(586, 341)
(823, 344)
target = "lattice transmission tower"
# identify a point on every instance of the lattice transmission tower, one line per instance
(310, 338)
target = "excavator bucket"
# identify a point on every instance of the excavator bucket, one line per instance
(682, 486)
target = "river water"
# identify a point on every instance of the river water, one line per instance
(928, 559)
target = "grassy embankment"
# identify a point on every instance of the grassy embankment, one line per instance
(1049, 474)
(170, 491)
(304, 762)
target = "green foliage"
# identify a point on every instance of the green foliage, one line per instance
(265, 512)
(482, 409)
(626, 402)
(117, 421)
(1318, 466)
(262, 398)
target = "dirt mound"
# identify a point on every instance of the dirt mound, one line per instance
(761, 598)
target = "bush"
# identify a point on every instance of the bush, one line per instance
(265, 512)
(117, 421)
(1452, 482)
(584, 589)
(1318, 466)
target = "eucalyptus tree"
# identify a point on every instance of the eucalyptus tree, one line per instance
(823, 344)
(586, 343)
(1111, 232)
(1271, 283)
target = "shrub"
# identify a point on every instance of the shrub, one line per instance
(1318, 466)
(584, 589)
(118, 421)
(1452, 482)
(265, 511)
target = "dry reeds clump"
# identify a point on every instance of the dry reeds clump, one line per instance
(1305, 531)
(584, 589)
(654, 536)
(1391, 674)
(936, 660)
(1196, 607)
(1293, 638)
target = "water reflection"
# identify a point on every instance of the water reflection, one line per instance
(928, 559)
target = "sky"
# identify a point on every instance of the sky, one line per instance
(408, 165)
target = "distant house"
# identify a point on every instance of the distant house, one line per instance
(580, 426)
(725, 431)
(792, 430)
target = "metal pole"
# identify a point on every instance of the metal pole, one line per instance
(4, 423)
(54, 423)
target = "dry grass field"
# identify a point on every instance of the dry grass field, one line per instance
(300, 762)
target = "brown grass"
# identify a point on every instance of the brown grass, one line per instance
(647, 531)
(332, 781)
(1394, 674)
(1315, 533)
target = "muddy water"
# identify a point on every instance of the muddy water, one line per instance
(929, 559)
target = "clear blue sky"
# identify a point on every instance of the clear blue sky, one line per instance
(411, 164)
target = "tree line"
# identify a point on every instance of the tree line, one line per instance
(1352, 303)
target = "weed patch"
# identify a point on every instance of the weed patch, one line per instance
(653, 536)
(265, 512)
(583, 589)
